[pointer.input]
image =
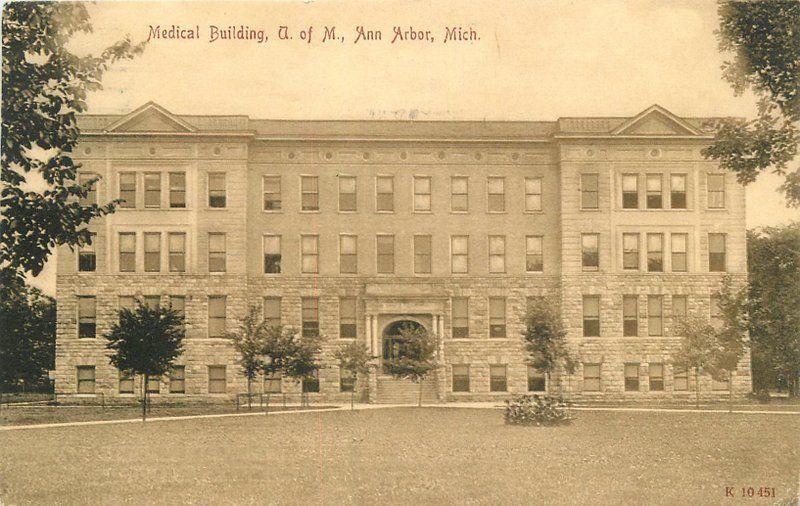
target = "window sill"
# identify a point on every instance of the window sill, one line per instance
(628, 210)
(216, 209)
(459, 212)
(496, 212)
(421, 212)
(533, 212)
(591, 209)
(355, 211)
(384, 212)
(309, 211)
(270, 211)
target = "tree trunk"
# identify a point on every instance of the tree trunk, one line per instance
(353, 398)
(144, 397)
(730, 391)
(249, 395)
(420, 394)
(696, 388)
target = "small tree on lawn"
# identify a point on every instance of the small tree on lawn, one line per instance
(545, 338)
(416, 356)
(732, 333)
(697, 349)
(249, 342)
(356, 359)
(146, 341)
(286, 352)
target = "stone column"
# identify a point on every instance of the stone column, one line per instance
(441, 371)
(368, 332)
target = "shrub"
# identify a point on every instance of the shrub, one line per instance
(536, 410)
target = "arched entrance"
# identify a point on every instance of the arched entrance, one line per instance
(392, 338)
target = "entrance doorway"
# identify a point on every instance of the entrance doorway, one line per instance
(392, 338)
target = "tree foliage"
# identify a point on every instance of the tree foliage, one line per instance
(416, 355)
(287, 352)
(545, 337)
(763, 39)
(44, 87)
(249, 341)
(356, 359)
(27, 334)
(773, 259)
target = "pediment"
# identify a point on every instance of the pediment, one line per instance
(151, 117)
(655, 121)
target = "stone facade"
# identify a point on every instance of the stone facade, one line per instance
(241, 159)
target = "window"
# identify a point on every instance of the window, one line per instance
(716, 312)
(655, 315)
(590, 252)
(534, 253)
(654, 191)
(422, 254)
(272, 383)
(177, 379)
(126, 302)
(87, 258)
(630, 315)
(716, 253)
(310, 315)
(347, 381)
(86, 379)
(216, 252)
(591, 315)
(716, 191)
(460, 378)
(630, 252)
(216, 315)
(497, 317)
(384, 194)
(591, 377)
(152, 190)
(125, 382)
(152, 252)
(87, 317)
(309, 253)
(153, 385)
(630, 191)
(216, 189)
(178, 305)
(679, 311)
(272, 193)
(459, 254)
(152, 301)
(309, 193)
(127, 189)
(631, 377)
(459, 194)
(655, 253)
(177, 251)
(91, 194)
(311, 384)
(127, 252)
(217, 379)
(422, 194)
(677, 191)
(460, 317)
(272, 311)
(497, 253)
(272, 254)
(721, 383)
(177, 189)
(385, 254)
(496, 188)
(589, 191)
(347, 318)
(536, 380)
(656, 374)
(348, 254)
(680, 380)
(533, 194)
(678, 260)
(347, 194)
(497, 378)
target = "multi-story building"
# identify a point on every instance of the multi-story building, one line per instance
(349, 228)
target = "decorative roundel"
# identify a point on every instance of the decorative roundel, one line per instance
(403, 155)
(366, 155)
(328, 155)
(87, 151)
(478, 156)
(515, 156)
(291, 155)
(590, 153)
(441, 155)
(152, 151)
(655, 152)
(217, 150)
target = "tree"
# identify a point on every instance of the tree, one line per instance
(290, 354)
(697, 348)
(356, 359)
(764, 40)
(44, 87)
(416, 356)
(773, 260)
(27, 334)
(249, 342)
(545, 338)
(146, 341)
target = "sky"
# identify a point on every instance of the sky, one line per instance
(531, 60)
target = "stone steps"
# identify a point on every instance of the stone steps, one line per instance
(394, 391)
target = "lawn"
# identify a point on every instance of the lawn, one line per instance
(406, 455)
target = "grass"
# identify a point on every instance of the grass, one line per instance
(405, 455)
